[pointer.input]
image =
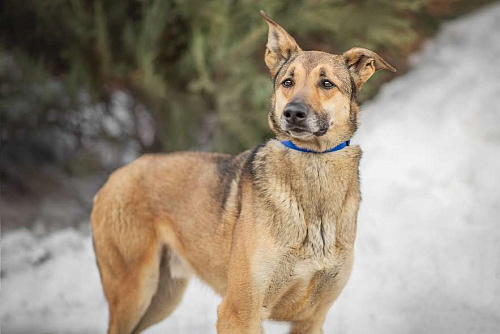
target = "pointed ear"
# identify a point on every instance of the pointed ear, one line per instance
(362, 63)
(280, 46)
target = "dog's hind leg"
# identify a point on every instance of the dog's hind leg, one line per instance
(174, 278)
(128, 254)
(143, 282)
(129, 288)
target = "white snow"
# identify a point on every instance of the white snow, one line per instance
(428, 247)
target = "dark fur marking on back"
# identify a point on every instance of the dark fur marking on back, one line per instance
(248, 167)
(239, 199)
(227, 169)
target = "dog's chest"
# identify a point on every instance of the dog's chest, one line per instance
(303, 200)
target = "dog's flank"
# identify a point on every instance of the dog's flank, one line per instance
(271, 230)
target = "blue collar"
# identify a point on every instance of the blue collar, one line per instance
(289, 144)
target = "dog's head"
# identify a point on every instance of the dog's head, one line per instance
(314, 100)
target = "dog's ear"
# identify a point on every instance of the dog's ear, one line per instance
(280, 46)
(362, 63)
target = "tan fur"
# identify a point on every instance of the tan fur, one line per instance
(271, 230)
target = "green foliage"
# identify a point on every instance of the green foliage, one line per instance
(188, 62)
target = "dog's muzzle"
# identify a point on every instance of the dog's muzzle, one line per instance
(300, 123)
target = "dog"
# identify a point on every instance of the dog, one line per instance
(271, 230)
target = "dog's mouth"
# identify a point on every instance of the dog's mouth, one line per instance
(321, 132)
(299, 132)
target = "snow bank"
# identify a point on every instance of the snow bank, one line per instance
(427, 253)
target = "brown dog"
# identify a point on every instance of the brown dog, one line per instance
(271, 230)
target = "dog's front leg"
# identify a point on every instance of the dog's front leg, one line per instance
(236, 314)
(241, 308)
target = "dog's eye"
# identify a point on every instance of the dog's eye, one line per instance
(327, 84)
(287, 83)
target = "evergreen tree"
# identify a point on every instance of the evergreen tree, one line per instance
(196, 67)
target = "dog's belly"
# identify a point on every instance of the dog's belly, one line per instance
(294, 295)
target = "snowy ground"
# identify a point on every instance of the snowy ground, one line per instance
(428, 248)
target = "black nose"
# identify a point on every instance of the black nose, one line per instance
(295, 113)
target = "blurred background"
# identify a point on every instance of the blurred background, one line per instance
(87, 86)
